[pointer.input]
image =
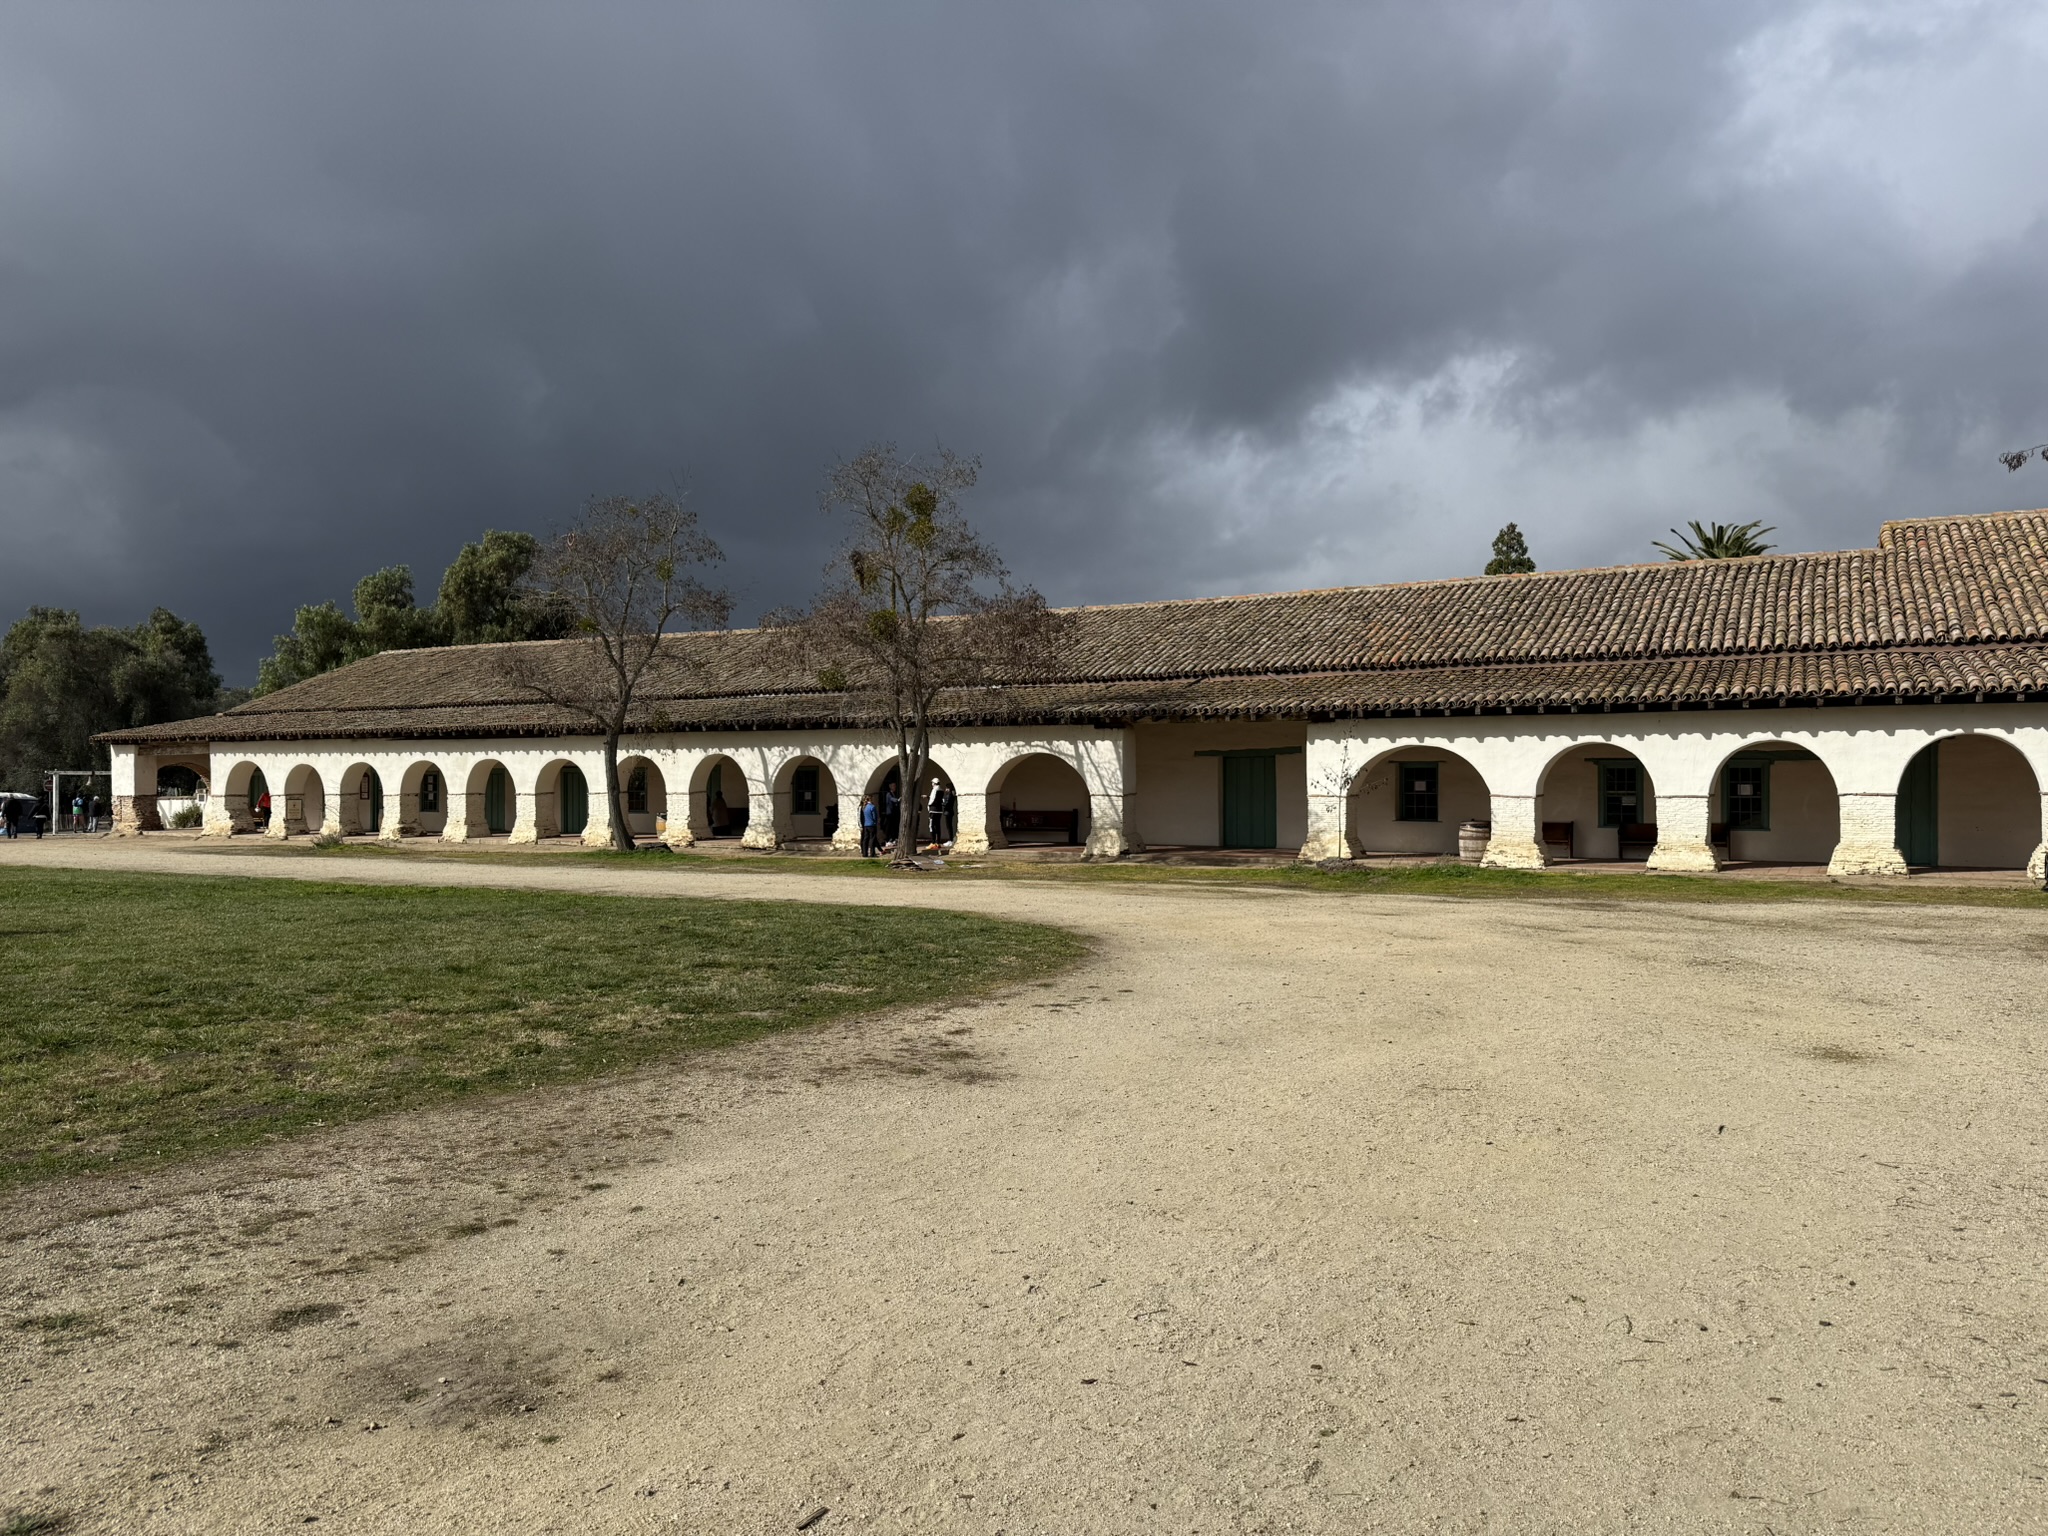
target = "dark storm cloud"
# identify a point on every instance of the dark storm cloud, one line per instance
(1226, 296)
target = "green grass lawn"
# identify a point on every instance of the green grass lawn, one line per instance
(153, 1016)
(1446, 879)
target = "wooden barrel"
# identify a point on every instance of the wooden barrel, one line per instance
(1473, 836)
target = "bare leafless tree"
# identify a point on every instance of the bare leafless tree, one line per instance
(916, 603)
(2019, 456)
(627, 570)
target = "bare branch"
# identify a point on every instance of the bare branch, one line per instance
(915, 604)
(628, 571)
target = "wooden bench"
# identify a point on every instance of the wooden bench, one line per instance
(1636, 834)
(1067, 822)
(1555, 832)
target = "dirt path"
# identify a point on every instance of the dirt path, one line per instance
(1286, 1213)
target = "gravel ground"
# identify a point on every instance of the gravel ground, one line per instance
(1284, 1213)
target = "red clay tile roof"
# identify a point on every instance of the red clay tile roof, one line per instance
(1943, 607)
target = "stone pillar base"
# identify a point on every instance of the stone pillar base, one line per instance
(1866, 859)
(1513, 844)
(1105, 843)
(1512, 853)
(2037, 864)
(970, 831)
(1685, 858)
(679, 835)
(135, 814)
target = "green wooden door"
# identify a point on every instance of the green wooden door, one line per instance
(574, 792)
(498, 800)
(1251, 817)
(1919, 823)
(376, 787)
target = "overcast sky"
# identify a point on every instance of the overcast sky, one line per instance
(1227, 297)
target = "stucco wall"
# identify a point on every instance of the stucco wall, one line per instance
(1038, 783)
(1983, 789)
(1571, 792)
(1806, 817)
(1149, 780)
(1376, 826)
(1180, 795)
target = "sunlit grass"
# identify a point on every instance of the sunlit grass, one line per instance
(150, 1016)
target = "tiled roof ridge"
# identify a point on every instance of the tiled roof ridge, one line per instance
(1674, 568)
(1884, 529)
(1964, 582)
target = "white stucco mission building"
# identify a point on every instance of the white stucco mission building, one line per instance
(1868, 709)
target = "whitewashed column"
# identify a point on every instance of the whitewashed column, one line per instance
(2037, 861)
(392, 831)
(1870, 833)
(1684, 835)
(1514, 844)
(971, 836)
(1109, 768)
(1332, 760)
(760, 833)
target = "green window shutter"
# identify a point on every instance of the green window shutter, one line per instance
(257, 788)
(498, 800)
(1251, 816)
(1621, 793)
(572, 795)
(1746, 795)
(1918, 820)
(375, 786)
(1418, 791)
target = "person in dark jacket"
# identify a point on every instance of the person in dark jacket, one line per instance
(870, 827)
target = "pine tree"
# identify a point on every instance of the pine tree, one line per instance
(1510, 554)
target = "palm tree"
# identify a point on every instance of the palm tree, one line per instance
(1718, 541)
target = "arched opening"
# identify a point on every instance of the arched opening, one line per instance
(561, 800)
(806, 802)
(361, 803)
(1416, 802)
(423, 801)
(720, 800)
(493, 802)
(886, 785)
(1038, 800)
(305, 801)
(646, 797)
(245, 797)
(1968, 802)
(1596, 802)
(180, 789)
(1775, 803)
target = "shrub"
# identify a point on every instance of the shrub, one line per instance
(185, 818)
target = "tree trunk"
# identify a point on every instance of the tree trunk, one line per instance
(909, 765)
(621, 835)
